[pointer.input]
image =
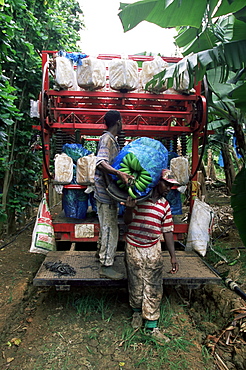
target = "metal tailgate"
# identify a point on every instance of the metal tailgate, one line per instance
(193, 271)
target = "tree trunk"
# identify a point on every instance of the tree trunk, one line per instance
(234, 156)
(210, 166)
(11, 225)
(228, 167)
(238, 129)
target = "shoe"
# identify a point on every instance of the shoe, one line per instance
(137, 320)
(110, 273)
(158, 335)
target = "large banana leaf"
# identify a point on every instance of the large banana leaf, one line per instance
(238, 203)
(205, 40)
(239, 30)
(193, 40)
(164, 13)
(239, 95)
(230, 56)
(173, 13)
(241, 14)
(231, 6)
(186, 35)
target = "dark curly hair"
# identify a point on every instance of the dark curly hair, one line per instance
(111, 117)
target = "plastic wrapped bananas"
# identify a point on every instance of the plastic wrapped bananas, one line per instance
(142, 179)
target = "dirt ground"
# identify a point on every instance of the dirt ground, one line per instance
(89, 328)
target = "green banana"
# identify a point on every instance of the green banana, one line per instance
(131, 156)
(123, 165)
(135, 164)
(144, 172)
(139, 167)
(130, 192)
(131, 165)
(146, 177)
(126, 160)
(141, 183)
(125, 170)
(144, 181)
(140, 186)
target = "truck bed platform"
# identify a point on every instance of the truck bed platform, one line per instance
(192, 273)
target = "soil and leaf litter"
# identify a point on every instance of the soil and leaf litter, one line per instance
(89, 328)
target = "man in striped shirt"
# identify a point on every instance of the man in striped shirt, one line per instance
(147, 221)
(108, 148)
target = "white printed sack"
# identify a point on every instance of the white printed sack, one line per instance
(85, 169)
(150, 69)
(91, 75)
(64, 74)
(179, 167)
(63, 168)
(123, 74)
(43, 236)
(200, 227)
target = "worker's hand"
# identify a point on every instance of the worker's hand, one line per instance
(130, 202)
(124, 177)
(175, 266)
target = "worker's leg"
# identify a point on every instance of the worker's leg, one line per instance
(153, 283)
(134, 268)
(108, 219)
(100, 217)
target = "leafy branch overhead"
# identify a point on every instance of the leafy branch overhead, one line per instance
(26, 28)
(211, 35)
(208, 33)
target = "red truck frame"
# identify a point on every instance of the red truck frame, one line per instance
(144, 114)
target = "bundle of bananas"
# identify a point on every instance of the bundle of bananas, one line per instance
(130, 165)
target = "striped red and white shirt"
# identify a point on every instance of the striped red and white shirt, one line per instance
(149, 221)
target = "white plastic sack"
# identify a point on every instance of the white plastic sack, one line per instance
(200, 227)
(63, 168)
(123, 74)
(58, 189)
(179, 167)
(182, 85)
(85, 169)
(91, 75)
(75, 86)
(43, 236)
(151, 68)
(64, 74)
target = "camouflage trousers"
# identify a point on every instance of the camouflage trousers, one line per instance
(145, 279)
(109, 233)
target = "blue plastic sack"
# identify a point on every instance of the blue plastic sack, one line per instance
(171, 155)
(174, 199)
(75, 151)
(75, 203)
(152, 156)
(92, 201)
(122, 209)
(76, 57)
(174, 196)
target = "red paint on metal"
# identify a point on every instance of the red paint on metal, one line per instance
(143, 114)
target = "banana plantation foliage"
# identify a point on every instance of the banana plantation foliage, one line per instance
(212, 38)
(26, 28)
